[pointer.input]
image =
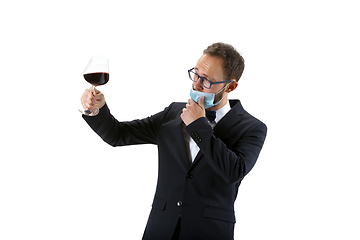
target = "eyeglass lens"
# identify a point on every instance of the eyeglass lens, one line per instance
(204, 82)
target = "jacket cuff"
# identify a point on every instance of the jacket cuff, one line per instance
(199, 130)
(102, 112)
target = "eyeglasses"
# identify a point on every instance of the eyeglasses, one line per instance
(204, 82)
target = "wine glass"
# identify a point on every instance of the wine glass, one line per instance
(96, 73)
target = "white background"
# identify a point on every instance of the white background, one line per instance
(58, 180)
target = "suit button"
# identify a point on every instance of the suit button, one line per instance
(189, 175)
(179, 203)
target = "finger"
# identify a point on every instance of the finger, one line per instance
(191, 101)
(93, 93)
(88, 91)
(85, 105)
(99, 96)
(88, 94)
(96, 91)
(201, 102)
(87, 99)
(88, 103)
(83, 100)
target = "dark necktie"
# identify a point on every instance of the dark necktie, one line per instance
(211, 115)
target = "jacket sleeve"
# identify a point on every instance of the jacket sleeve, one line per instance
(233, 163)
(117, 133)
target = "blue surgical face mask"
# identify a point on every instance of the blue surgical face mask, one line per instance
(209, 97)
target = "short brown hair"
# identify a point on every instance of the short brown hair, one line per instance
(234, 63)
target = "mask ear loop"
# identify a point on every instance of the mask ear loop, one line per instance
(224, 95)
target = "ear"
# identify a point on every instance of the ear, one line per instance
(232, 86)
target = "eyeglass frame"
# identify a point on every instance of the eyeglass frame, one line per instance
(202, 79)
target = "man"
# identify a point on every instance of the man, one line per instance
(201, 160)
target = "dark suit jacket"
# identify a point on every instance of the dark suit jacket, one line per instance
(202, 193)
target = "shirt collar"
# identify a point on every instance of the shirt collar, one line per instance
(222, 112)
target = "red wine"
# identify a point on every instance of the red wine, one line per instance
(99, 78)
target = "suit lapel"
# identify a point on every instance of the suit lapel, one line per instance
(230, 119)
(198, 157)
